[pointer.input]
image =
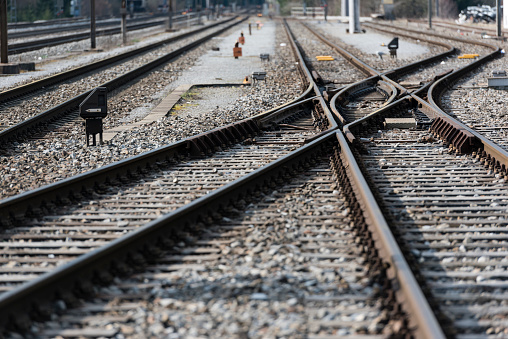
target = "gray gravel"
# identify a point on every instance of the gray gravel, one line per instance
(365, 46)
(38, 162)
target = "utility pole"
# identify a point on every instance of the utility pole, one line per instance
(430, 14)
(92, 23)
(498, 17)
(344, 8)
(354, 16)
(123, 12)
(3, 32)
(170, 10)
(14, 11)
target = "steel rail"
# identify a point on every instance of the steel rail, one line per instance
(60, 77)
(85, 25)
(461, 138)
(304, 70)
(458, 136)
(362, 66)
(71, 22)
(436, 90)
(457, 132)
(342, 97)
(33, 203)
(77, 276)
(42, 290)
(23, 47)
(454, 26)
(410, 295)
(25, 24)
(376, 76)
(29, 126)
(391, 75)
(409, 292)
(32, 298)
(400, 71)
(446, 37)
(366, 69)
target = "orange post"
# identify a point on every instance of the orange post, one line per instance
(237, 52)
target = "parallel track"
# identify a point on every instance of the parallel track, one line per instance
(405, 304)
(35, 124)
(112, 211)
(33, 45)
(437, 216)
(330, 275)
(450, 212)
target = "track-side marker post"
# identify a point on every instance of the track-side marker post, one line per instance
(93, 109)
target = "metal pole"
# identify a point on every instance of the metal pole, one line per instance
(437, 8)
(3, 32)
(170, 10)
(354, 16)
(123, 12)
(344, 7)
(430, 13)
(498, 17)
(92, 23)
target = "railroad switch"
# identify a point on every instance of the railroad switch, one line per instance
(93, 109)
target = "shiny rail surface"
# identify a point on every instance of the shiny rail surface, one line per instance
(325, 269)
(408, 310)
(37, 123)
(20, 91)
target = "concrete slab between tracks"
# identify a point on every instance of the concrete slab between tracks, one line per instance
(217, 67)
(161, 110)
(371, 41)
(158, 112)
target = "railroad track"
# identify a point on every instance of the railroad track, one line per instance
(115, 210)
(235, 194)
(33, 45)
(459, 28)
(447, 210)
(72, 25)
(22, 91)
(324, 271)
(440, 189)
(26, 125)
(174, 259)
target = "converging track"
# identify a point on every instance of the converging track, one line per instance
(358, 209)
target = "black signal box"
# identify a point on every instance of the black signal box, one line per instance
(93, 109)
(95, 105)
